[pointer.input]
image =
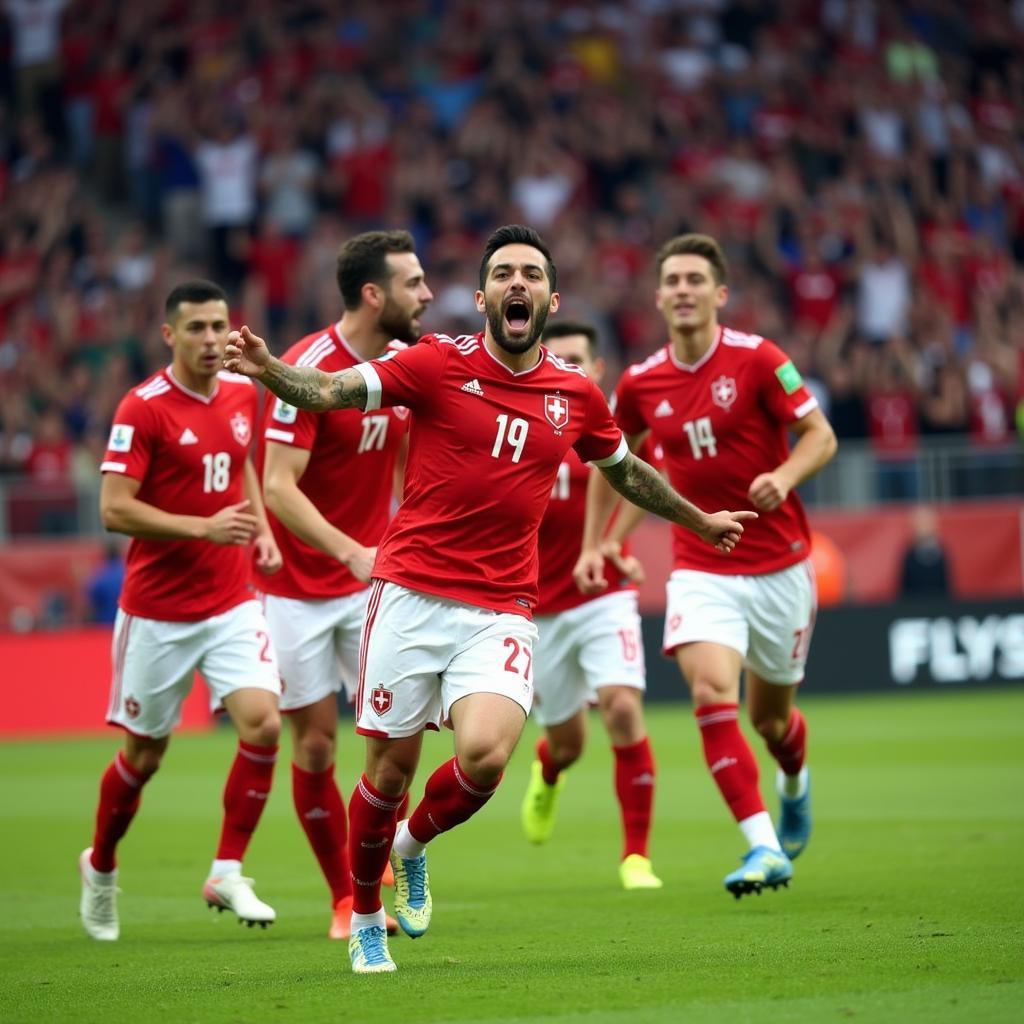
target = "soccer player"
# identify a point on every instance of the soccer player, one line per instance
(328, 533)
(448, 637)
(178, 480)
(720, 403)
(587, 645)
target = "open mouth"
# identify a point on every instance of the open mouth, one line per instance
(517, 314)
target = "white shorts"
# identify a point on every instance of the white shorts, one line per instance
(155, 664)
(421, 653)
(580, 650)
(317, 645)
(768, 619)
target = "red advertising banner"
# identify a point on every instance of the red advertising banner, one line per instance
(57, 683)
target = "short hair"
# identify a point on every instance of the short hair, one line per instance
(363, 259)
(517, 234)
(197, 290)
(569, 328)
(696, 245)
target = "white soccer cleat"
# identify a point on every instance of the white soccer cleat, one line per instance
(98, 908)
(234, 892)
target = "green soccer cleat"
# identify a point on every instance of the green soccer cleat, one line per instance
(795, 822)
(635, 872)
(540, 804)
(368, 951)
(762, 867)
(413, 904)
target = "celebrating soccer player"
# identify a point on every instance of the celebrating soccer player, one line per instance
(589, 648)
(178, 480)
(328, 485)
(448, 637)
(720, 403)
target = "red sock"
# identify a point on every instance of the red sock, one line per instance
(730, 759)
(371, 831)
(450, 797)
(634, 786)
(120, 793)
(548, 769)
(321, 812)
(791, 750)
(245, 796)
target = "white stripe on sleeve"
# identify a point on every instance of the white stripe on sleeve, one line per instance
(373, 385)
(616, 457)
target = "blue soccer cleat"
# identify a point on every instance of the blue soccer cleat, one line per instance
(368, 950)
(795, 822)
(762, 867)
(413, 904)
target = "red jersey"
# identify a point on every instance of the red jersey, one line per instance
(189, 451)
(485, 445)
(721, 422)
(561, 531)
(348, 477)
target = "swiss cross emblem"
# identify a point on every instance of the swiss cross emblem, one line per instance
(723, 392)
(131, 707)
(556, 410)
(381, 699)
(240, 428)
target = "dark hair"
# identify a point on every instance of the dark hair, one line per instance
(568, 328)
(363, 259)
(517, 234)
(193, 291)
(696, 245)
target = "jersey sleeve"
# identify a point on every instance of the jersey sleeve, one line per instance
(625, 407)
(406, 378)
(287, 425)
(601, 441)
(131, 441)
(782, 387)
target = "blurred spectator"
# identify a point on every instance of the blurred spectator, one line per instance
(925, 573)
(103, 588)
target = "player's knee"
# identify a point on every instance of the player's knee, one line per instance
(314, 751)
(484, 764)
(389, 778)
(708, 690)
(264, 730)
(146, 761)
(623, 716)
(565, 752)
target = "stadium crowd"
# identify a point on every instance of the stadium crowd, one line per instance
(860, 161)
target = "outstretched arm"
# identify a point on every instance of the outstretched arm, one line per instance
(305, 387)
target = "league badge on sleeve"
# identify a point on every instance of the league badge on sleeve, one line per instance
(789, 377)
(241, 428)
(556, 411)
(121, 435)
(283, 412)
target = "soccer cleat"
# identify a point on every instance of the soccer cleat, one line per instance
(635, 872)
(234, 893)
(368, 951)
(795, 822)
(762, 867)
(98, 908)
(540, 804)
(341, 920)
(412, 894)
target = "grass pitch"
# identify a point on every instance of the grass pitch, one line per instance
(906, 906)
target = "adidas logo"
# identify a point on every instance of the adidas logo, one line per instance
(187, 437)
(722, 762)
(316, 814)
(664, 408)
(646, 779)
(473, 387)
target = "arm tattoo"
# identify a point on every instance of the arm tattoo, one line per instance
(306, 387)
(643, 485)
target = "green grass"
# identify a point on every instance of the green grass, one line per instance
(907, 905)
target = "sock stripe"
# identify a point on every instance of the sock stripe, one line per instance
(252, 755)
(472, 790)
(372, 798)
(126, 772)
(716, 718)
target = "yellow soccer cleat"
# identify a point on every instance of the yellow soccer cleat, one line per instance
(368, 951)
(540, 804)
(635, 872)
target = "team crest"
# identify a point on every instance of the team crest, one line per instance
(240, 428)
(723, 392)
(381, 699)
(131, 707)
(556, 411)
